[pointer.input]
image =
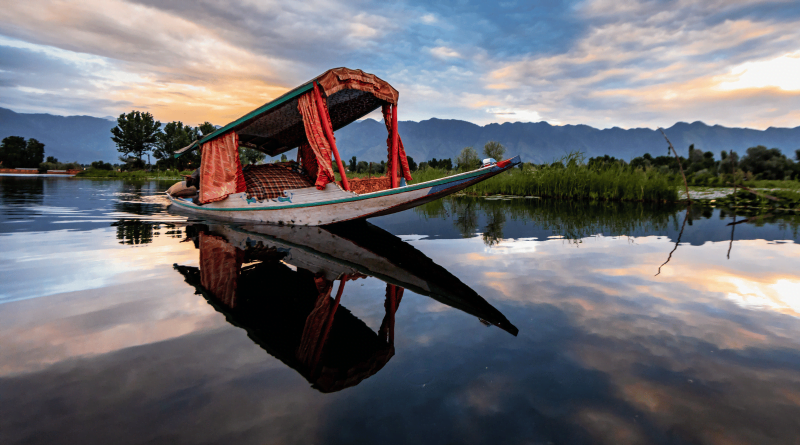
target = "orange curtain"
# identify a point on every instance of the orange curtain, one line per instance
(220, 169)
(220, 265)
(404, 171)
(316, 139)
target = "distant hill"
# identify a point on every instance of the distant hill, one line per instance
(68, 138)
(541, 142)
(86, 139)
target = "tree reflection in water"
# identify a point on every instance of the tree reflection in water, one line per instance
(135, 231)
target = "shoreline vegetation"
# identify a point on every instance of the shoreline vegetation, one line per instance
(573, 180)
(644, 179)
(94, 173)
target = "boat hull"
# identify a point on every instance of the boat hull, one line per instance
(341, 206)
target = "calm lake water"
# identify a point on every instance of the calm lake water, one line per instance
(516, 321)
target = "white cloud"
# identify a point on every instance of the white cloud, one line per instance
(515, 115)
(429, 19)
(444, 52)
(782, 72)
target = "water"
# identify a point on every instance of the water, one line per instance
(465, 321)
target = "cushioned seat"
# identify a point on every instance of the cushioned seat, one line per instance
(267, 181)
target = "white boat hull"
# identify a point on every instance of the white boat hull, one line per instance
(313, 207)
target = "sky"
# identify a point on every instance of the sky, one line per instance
(604, 63)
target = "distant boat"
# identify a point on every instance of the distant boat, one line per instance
(278, 284)
(304, 192)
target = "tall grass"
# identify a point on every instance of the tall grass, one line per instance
(93, 173)
(571, 178)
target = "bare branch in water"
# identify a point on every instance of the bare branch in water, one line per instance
(677, 242)
(754, 218)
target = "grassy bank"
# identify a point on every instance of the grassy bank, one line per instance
(139, 174)
(574, 181)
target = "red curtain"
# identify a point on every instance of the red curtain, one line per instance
(316, 140)
(404, 171)
(220, 265)
(220, 169)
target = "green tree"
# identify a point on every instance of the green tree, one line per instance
(12, 152)
(135, 134)
(175, 136)
(766, 163)
(468, 159)
(495, 150)
(354, 163)
(34, 153)
(250, 156)
(411, 164)
(206, 128)
(100, 165)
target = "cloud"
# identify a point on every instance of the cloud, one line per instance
(599, 62)
(444, 52)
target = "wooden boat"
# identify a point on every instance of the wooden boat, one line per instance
(277, 283)
(305, 118)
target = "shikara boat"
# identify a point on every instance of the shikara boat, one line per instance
(278, 284)
(305, 191)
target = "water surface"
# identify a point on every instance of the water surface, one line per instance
(464, 321)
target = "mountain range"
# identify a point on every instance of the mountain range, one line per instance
(86, 139)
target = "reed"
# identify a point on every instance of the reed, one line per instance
(93, 173)
(571, 178)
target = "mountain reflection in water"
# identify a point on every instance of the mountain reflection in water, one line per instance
(277, 282)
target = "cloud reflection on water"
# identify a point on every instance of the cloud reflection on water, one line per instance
(606, 353)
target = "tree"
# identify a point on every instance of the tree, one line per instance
(284, 158)
(52, 159)
(494, 150)
(16, 152)
(766, 163)
(468, 159)
(99, 165)
(411, 164)
(135, 134)
(353, 164)
(797, 155)
(174, 137)
(34, 153)
(250, 156)
(12, 152)
(206, 128)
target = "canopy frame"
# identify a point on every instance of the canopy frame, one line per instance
(277, 127)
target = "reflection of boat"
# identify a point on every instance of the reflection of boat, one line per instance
(277, 283)
(305, 192)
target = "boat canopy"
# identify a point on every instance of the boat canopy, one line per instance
(305, 117)
(277, 126)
